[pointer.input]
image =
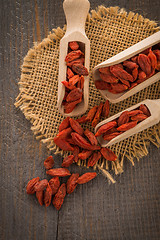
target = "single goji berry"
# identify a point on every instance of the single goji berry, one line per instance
(64, 124)
(94, 159)
(48, 195)
(73, 55)
(75, 153)
(80, 69)
(31, 184)
(41, 185)
(127, 126)
(106, 108)
(76, 126)
(67, 161)
(97, 115)
(74, 45)
(104, 128)
(40, 196)
(86, 177)
(91, 113)
(49, 162)
(59, 172)
(123, 118)
(145, 110)
(108, 154)
(91, 137)
(54, 184)
(84, 154)
(72, 182)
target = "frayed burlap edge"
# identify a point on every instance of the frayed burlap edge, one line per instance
(24, 101)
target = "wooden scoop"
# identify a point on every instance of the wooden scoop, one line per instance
(76, 12)
(122, 56)
(154, 108)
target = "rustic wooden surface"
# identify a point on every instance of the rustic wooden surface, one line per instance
(129, 209)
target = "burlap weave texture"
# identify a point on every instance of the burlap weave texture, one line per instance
(110, 30)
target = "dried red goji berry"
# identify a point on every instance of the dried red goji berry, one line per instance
(80, 69)
(74, 45)
(110, 136)
(31, 184)
(77, 61)
(69, 107)
(134, 74)
(134, 112)
(118, 88)
(121, 73)
(59, 172)
(39, 196)
(59, 197)
(74, 80)
(76, 126)
(73, 55)
(84, 154)
(109, 78)
(127, 126)
(82, 119)
(123, 118)
(94, 159)
(63, 144)
(144, 63)
(74, 95)
(64, 124)
(108, 154)
(153, 59)
(145, 110)
(104, 128)
(139, 117)
(72, 182)
(91, 137)
(48, 196)
(49, 162)
(129, 64)
(106, 108)
(67, 161)
(70, 74)
(54, 184)
(97, 115)
(101, 85)
(104, 70)
(41, 185)
(66, 84)
(86, 177)
(75, 153)
(91, 114)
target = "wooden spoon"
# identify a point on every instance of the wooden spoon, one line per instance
(122, 56)
(76, 12)
(154, 108)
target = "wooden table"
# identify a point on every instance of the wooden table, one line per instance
(129, 209)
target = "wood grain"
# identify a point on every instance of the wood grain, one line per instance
(128, 209)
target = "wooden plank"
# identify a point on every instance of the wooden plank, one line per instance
(128, 209)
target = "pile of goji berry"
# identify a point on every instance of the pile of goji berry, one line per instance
(45, 189)
(74, 82)
(83, 143)
(128, 74)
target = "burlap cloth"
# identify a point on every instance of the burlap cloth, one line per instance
(110, 30)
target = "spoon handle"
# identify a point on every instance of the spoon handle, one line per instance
(76, 12)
